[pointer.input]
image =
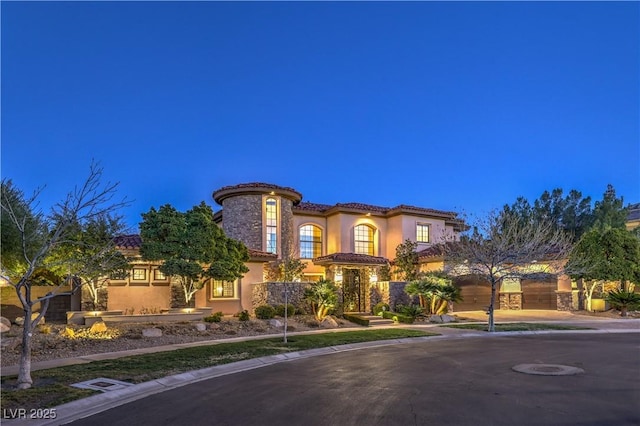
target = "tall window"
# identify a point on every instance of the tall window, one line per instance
(310, 242)
(422, 233)
(363, 236)
(272, 225)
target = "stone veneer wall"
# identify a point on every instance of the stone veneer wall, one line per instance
(397, 295)
(177, 298)
(511, 301)
(272, 293)
(242, 219)
(564, 300)
(87, 299)
(379, 292)
(287, 234)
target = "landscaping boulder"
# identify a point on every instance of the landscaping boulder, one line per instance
(5, 321)
(214, 326)
(3, 327)
(276, 323)
(448, 318)
(436, 319)
(20, 320)
(98, 327)
(201, 326)
(151, 332)
(329, 322)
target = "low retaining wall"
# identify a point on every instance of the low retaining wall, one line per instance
(112, 317)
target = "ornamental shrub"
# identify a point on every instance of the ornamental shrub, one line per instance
(291, 310)
(243, 315)
(265, 312)
(379, 307)
(216, 317)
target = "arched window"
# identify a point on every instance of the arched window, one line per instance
(363, 238)
(272, 225)
(310, 242)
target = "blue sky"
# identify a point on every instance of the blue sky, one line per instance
(454, 105)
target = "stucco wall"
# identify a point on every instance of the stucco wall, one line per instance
(135, 297)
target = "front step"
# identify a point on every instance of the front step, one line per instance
(374, 320)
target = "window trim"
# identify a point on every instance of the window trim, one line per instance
(212, 286)
(371, 243)
(133, 274)
(425, 225)
(315, 245)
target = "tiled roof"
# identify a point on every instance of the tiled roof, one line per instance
(370, 208)
(132, 241)
(350, 258)
(634, 212)
(261, 254)
(433, 251)
(251, 185)
(315, 207)
(255, 188)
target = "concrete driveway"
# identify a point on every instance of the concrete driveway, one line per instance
(448, 382)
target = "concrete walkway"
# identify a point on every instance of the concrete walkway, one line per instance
(101, 402)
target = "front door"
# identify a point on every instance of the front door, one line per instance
(352, 291)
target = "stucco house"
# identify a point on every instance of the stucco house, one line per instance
(344, 242)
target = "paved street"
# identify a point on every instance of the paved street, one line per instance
(448, 382)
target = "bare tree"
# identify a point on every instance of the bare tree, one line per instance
(504, 245)
(38, 236)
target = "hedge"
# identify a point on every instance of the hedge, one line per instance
(357, 319)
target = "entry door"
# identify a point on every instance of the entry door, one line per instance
(352, 291)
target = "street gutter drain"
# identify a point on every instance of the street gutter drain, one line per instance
(102, 384)
(547, 369)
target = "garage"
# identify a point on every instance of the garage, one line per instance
(476, 294)
(539, 293)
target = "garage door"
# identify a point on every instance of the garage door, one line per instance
(476, 294)
(539, 294)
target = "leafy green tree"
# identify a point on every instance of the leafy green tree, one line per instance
(91, 256)
(503, 244)
(323, 297)
(572, 213)
(609, 212)
(609, 255)
(406, 262)
(29, 238)
(191, 247)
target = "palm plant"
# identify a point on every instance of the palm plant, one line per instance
(435, 291)
(323, 297)
(623, 300)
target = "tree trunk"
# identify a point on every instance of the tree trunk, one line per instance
(492, 326)
(24, 372)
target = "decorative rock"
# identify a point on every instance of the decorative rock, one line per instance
(5, 321)
(152, 332)
(275, 323)
(329, 322)
(69, 332)
(214, 326)
(436, 319)
(448, 318)
(98, 327)
(201, 326)
(3, 327)
(20, 320)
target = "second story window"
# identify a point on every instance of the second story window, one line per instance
(310, 242)
(272, 225)
(422, 233)
(363, 239)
